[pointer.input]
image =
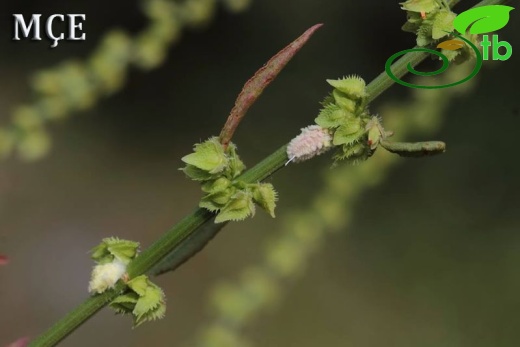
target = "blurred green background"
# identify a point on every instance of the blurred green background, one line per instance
(432, 255)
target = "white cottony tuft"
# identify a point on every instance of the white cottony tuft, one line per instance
(105, 276)
(314, 140)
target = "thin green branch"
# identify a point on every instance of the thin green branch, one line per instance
(175, 238)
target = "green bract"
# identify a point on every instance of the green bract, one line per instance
(113, 248)
(208, 156)
(239, 207)
(210, 161)
(345, 114)
(332, 116)
(353, 86)
(442, 26)
(218, 170)
(265, 195)
(143, 299)
(348, 133)
(355, 132)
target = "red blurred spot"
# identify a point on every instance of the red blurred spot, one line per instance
(4, 260)
(23, 342)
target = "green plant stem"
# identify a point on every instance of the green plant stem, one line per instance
(399, 68)
(153, 255)
(174, 237)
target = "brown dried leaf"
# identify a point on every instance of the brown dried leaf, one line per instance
(262, 78)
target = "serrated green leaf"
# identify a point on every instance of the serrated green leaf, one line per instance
(374, 135)
(328, 100)
(414, 18)
(238, 208)
(410, 27)
(156, 313)
(139, 284)
(208, 156)
(236, 166)
(348, 133)
(265, 195)
(130, 297)
(331, 117)
(148, 302)
(209, 205)
(125, 252)
(145, 301)
(197, 174)
(104, 259)
(450, 54)
(424, 35)
(352, 153)
(215, 186)
(222, 198)
(125, 303)
(442, 24)
(216, 201)
(344, 101)
(122, 308)
(485, 19)
(353, 86)
(420, 5)
(100, 251)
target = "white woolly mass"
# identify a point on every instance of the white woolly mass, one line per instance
(105, 276)
(314, 140)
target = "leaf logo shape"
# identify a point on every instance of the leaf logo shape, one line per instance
(482, 20)
(451, 45)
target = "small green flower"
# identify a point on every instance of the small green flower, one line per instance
(353, 86)
(112, 248)
(208, 156)
(349, 133)
(144, 300)
(239, 207)
(443, 24)
(265, 195)
(332, 116)
(218, 169)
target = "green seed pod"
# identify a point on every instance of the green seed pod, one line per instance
(417, 149)
(218, 185)
(239, 207)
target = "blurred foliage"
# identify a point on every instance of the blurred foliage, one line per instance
(78, 85)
